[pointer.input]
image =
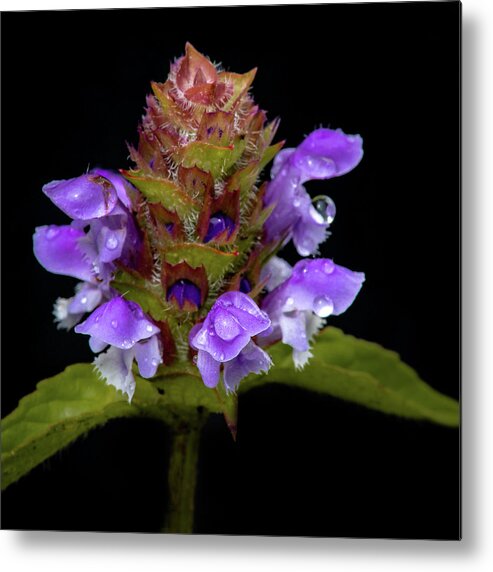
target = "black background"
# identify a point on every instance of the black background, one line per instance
(73, 91)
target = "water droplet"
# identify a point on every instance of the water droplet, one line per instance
(324, 210)
(194, 359)
(296, 201)
(126, 344)
(328, 268)
(51, 233)
(304, 248)
(111, 242)
(114, 323)
(323, 306)
(149, 328)
(288, 303)
(154, 362)
(83, 300)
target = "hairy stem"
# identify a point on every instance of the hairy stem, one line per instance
(182, 477)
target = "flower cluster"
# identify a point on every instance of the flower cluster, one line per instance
(176, 257)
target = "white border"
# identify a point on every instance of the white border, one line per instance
(40, 551)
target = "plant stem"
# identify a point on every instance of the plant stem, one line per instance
(182, 477)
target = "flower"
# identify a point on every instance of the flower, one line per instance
(225, 337)
(97, 201)
(57, 249)
(191, 226)
(101, 200)
(69, 311)
(93, 195)
(123, 325)
(324, 154)
(315, 290)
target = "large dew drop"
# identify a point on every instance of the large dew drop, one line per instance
(111, 242)
(324, 210)
(323, 306)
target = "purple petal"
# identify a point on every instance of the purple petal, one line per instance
(251, 359)
(110, 243)
(184, 291)
(148, 356)
(280, 160)
(293, 327)
(328, 153)
(83, 198)
(275, 272)
(115, 367)
(251, 318)
(96, 344)
(87, 297)
(313, 325)
(315, 285)
(119, 322)
(124, 190)
(57, 250)
(63, 317)
(218, 223)
(221, 350)
(229, 325)
(209, 368)
(308, 231)
(245, 285)
(324, 154)
(226, 325)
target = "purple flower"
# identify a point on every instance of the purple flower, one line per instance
(93, 195)
(57, 250)
(123, 325)
(275, 272)
(69, 311)
(316, 289)
(324, 154)
(99, 201)
(184, 291)
(225, 337)
(218, 224)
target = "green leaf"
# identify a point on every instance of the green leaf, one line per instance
(362, 372)
(64, 407)
(213, 159)
(61, 409)
(158, 190)
(216, 262)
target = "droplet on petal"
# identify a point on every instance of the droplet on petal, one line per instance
(324, 210)
(149, 328)
(323, 306)
(288, 303)
(51, 233)
(111, 242)
(218, 223)
(114, 323)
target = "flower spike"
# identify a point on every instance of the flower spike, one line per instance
(191, 232)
